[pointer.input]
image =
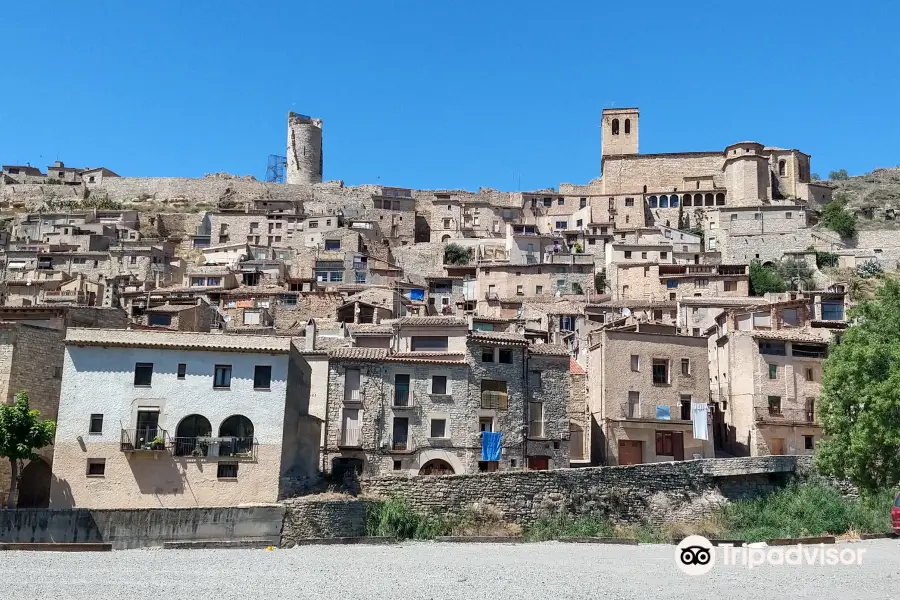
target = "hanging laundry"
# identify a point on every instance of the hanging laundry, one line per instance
(699, 416)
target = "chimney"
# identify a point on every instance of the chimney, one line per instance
(311, 334)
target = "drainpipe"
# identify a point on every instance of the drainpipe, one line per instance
(525, 361)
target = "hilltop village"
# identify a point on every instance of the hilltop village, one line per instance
(221, 341)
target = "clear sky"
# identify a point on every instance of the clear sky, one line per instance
(439, 94)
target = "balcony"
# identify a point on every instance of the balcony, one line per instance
(401, 445)
(215, 447)
(491, 296)
(350, 438)
(491, 400)
(403, 400)
(66, 296)
(792, 416)
(145, 439)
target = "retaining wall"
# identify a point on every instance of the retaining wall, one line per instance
(137, 528)
(306, 518)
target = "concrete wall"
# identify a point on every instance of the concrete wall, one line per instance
(137, 528)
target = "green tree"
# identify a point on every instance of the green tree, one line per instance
(600, 281)
(682, 225)
(840, 175)
(765, 279)
(454, 254)
(21, 433)
(859, 407)
(815, 177)
(796, 274)
(836, 218)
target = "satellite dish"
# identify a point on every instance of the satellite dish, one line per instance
(626, 312)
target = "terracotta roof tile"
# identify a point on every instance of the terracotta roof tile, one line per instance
(130, 338)
(574, 367)
(549, 349)
(497, 337)
(432, 321)
(354, 353)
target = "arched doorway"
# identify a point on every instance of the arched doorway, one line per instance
(186, 434)
(34, 485)
(239, 430)
(436, 467)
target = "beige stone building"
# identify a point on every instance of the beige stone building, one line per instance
(643, 380)
(766, 369)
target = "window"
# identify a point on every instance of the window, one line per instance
(227, 470)
(664, 443)
(660, 371)
(628, 254)
(96, 424)
(774, 405)
(487, 355)
(582, 203)
(143, 374)
(538, 289)
(96, 467)
(548, 201)
(505, 356)
(772, 348)
(332, 244)
(729, 286)
(222, 376)
(438, 428)
(634, 405)
(615, 127)
(685, 407)
(494, 395)
(788, 215)
(251, 317)
(643, 256)
(262, 377)
(485, 424)
(686, 367)
(773, 371)
(809, 375)
(438, 384)
(562, 224)
(536, 419)
(635, 362)
(629, 201)
(429, 343)
(398, 465)
(401, 389)
(701, 283)
(520, 290)
(808, 442)
(182, 370)
(663, 255)
(560, 202)
(313, 224)
(652, 201)
(781, 167)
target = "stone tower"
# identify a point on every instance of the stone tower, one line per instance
(304, 149)
(746, 174)
(620, 131)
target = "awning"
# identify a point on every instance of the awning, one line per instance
(16, 264)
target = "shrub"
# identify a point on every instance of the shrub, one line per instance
(826, 259)
(840, 175)
(454, 254)
(870, 268)
(395, 518)
(564, 526)
(600, 282)
(836, 218)
(765, 279)
(796, 273)
(815, 177)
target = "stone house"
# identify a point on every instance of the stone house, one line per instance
(181, 317)
(655, 281)
(420, 405)
(644, 379)
(766, 367)
(186, 419)
(580, 419)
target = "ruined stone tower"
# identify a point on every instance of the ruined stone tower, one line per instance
(304, 149)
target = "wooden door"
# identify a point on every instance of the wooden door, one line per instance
(678, 445)
(538, 463)
(631, 452)
(777, 446)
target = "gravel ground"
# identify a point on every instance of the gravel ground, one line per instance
(431, 571)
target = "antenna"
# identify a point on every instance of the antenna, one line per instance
(275, 169)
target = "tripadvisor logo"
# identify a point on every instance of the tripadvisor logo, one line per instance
(695, 555)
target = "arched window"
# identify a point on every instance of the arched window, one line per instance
(781, 167)
(615, 127)
(708, 200)
(240, 431)
(445, 239)
(189, 429)
(645, 189)
(698, 199)
(664, 201)
(673, 201)
(686, 200)
(652, 201)
(436, 467)
(720, 199)
(627, 126)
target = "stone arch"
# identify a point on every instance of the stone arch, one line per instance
(709, 199)
(698, 199)
(686, 200)
(240, 429)
(436, 467)
(426, 456)
(651, 201)
(720, 199)
(34, 485)
(664, 201)
(189, 429)
(615, 127)
(445, 238)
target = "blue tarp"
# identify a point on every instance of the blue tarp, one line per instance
(416, 294)
(490, 445)
(662, 412)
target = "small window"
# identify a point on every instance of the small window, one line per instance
(809, 442)
(628, 254)
(663, 255)
(561, 202)
(182, 370)
(439, 384)
(429, 343)
(96, 467)
(773, 371)
(520, 290)
(96, 423)
(487, 355)
(643, 256)
(615, 127)
(660, 371)
(629, 201)
(398, 465)
(685, 408)
(686, 367)
(262, 377)
(438, 428)
(788, 215)
(143, 374)
(809, 375)
(582, 203)
(635, 362)
(222, 376)
(227, 470)
(538, 289)
(774, 405)
(505, 356)
(627, 126)
(332, 244)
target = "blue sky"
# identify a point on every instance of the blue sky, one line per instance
(433, 94)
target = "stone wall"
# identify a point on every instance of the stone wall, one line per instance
(309, 517)
(687, 491)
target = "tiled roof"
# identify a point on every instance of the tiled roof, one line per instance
(722, 301)
(497, 337)
(370, 329)
(354, 353)
(574, 367)
(185, 340)
(789, 335)
(171, 308)
(432, 321)
(428, 357)
(261, 290)
(549, 349)
(635, 303)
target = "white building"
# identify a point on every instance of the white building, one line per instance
(162, 418)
